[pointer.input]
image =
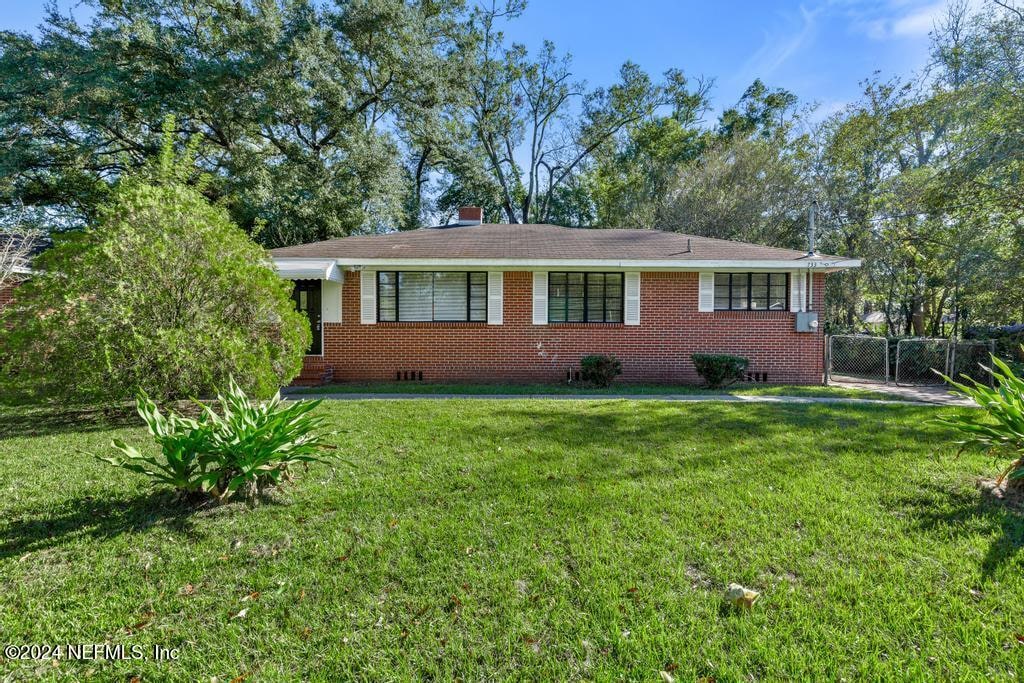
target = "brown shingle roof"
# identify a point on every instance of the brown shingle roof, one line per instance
(535, 241)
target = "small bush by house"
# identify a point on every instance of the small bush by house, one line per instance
(600, 370)
(719, 369)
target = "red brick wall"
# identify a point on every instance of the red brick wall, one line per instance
(657, 350)
(6, 295)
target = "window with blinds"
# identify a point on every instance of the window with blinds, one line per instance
(585, 297)
(413, 296)
(751, 291)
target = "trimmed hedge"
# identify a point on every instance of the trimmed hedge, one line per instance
(719, 369)
(600, 370)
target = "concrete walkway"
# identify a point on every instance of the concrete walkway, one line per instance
(936, 394)
(726, 398)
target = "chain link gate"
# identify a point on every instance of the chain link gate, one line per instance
(918, 360)
(967, 358)
(857, 358)
(908, 362)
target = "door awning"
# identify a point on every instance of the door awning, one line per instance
(308, 269)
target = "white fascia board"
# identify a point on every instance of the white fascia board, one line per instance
(308, 269)
(691, 265)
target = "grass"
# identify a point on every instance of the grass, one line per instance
(569, 390)
(535, 540)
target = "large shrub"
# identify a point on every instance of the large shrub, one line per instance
(240, 450)
(999, 426)
(719, 369)
(600, 370)
(163, 294)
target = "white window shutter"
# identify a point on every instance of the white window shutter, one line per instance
(540, 298)
(632, 316)
(797, 284)
(330, 301)
(495, 296)
(368, 297)
(706, 293)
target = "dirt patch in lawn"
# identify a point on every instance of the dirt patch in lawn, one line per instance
(1011, 497)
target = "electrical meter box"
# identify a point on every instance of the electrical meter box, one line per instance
(807, 322)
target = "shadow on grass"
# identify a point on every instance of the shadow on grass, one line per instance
(667, 425)
(617, 441)
(96, 518)
(609, 442)
(970, 512)
(20, 421)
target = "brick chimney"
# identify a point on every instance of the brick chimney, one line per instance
(470, 215)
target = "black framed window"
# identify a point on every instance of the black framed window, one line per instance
(415, 296)
(751, 291)
(585, 297)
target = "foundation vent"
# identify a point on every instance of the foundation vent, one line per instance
(408, 375)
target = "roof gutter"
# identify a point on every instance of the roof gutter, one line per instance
(822, 264)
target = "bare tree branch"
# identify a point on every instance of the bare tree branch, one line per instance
(15, 254)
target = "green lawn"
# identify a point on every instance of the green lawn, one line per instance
(535, 540)
(568, 390)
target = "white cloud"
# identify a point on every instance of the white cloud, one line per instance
(778, 47)
(890, 19)
(919, 23)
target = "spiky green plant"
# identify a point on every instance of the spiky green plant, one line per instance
(182, 441)
(253, 444)
(999, 427)
(243, 449)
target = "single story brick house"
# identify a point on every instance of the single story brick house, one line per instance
(478, 302)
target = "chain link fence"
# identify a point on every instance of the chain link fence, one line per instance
(857, 358)
(907, 362)
(918, 361)
(967, 358)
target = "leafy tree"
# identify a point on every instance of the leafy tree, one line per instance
(760, 112)
(519, 101)
(854, 160)
(161, 294)
(753, 190)
(922, 180)
(299, 105)
(979, 59)
(638, 181)
(631, 177)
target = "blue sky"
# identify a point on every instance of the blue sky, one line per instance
(820, 50)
